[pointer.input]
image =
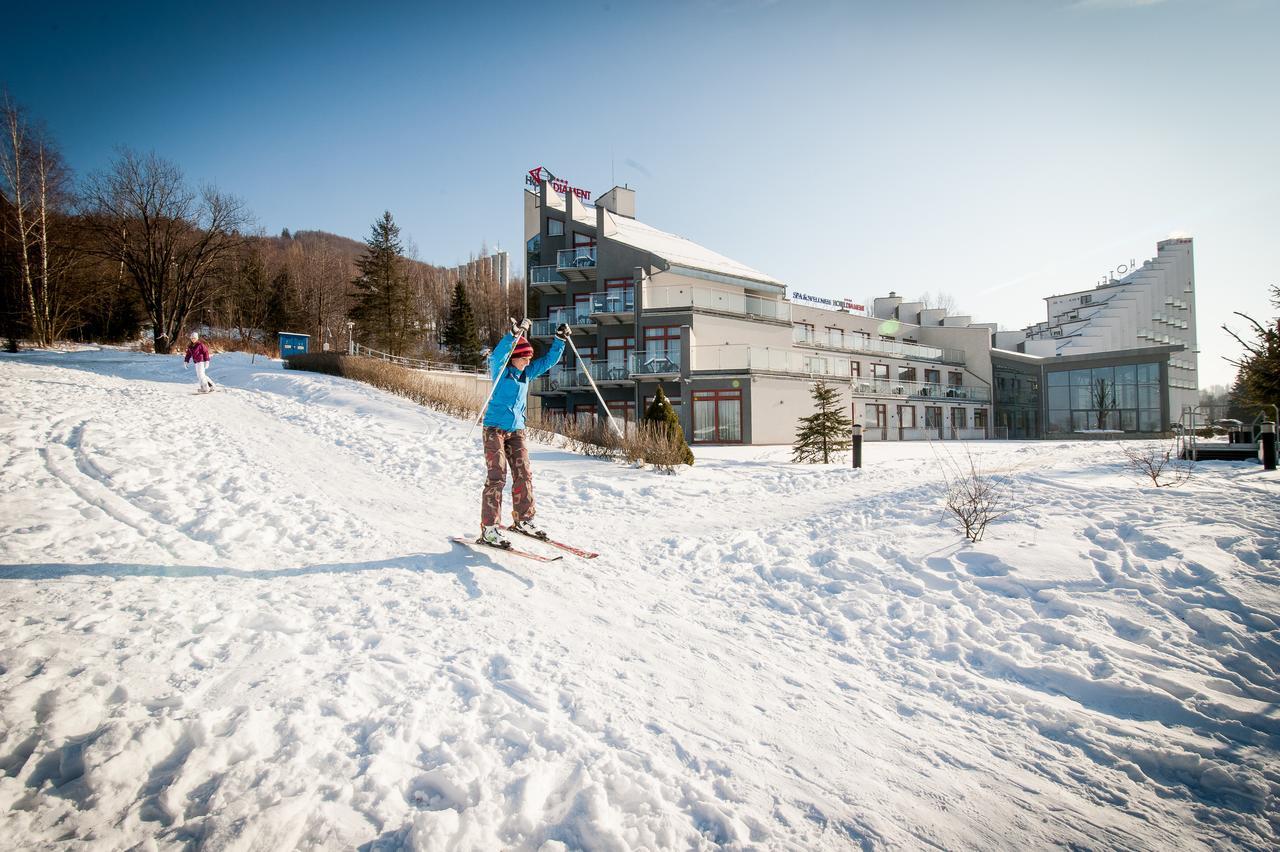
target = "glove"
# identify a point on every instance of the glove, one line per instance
(521, 329)
(562, 331)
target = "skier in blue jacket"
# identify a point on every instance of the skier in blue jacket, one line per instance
(504, 431)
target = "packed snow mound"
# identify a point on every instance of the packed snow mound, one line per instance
(235, 620)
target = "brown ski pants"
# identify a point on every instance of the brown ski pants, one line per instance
(502, 448)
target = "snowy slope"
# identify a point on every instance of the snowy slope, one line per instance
(235, 621)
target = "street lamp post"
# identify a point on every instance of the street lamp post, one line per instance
(351, 349)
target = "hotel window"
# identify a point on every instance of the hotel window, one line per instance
(662, 346)
(955, 379)
(980, 419)
(717, 416)
(932, 417)
(619, 295)
(618, 353)
(855, 368)
(957, 419)
(933, 377)
(584, 414)
(880, 371)
(835, 337)
(555, 227)
(583, 240)
(581, 308)
(674, 400)
(906, 374)
(816, 366)
(907, 416)
(623, 411)
(804, 332)
(588, 353)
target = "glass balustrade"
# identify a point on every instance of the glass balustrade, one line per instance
(661, 362)
(582, 257)
(545, 275)
(614, 301)
(711, 299)
(848, 342)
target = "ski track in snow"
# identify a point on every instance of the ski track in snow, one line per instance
(235, 622)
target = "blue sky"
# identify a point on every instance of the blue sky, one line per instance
(996, 150)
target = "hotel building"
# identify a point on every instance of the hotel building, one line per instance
(736, 358)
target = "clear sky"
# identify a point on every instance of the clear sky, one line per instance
(996, 150)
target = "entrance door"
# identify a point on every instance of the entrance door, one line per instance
(957, 422)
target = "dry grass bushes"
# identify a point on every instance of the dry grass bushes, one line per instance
(643, 443)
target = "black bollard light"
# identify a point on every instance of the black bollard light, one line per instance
(857, 445)
(1268, 441)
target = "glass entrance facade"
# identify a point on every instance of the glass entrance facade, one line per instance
(1123, 398)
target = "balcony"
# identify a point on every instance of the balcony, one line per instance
(604, 373)
(655, 364)
(614, 306)
(577, 264)
(746, 357)
(577, 318)
(857, 343)
(545, 279)
(920, 390)
(721, 301)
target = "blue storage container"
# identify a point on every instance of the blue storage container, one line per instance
(293, 344)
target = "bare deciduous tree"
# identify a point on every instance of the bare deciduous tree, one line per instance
(37, 188)
(1158, 463)
(169, 238)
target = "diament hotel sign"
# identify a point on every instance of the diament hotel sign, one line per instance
(536, 176)
(830, 304)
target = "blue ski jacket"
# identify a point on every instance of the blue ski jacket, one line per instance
(511, 396)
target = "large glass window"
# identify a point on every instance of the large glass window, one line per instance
(1124, 397)
(717, 416)
(555, 228)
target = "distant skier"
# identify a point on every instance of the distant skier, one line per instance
(504, 431)
(198, 353)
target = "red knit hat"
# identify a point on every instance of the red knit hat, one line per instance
(523, 349)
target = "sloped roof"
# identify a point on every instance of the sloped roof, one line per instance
(677, 250)
(583, 213)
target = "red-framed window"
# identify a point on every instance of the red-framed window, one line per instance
(588, 353)
(955, 379)
(958, 418)
(619, 294)
(933, 377)
(581, 307)
(580, 240)
(855, 369)
(623, 411)
(585, 412)
(906, 374)
(717, 416)
(880, 371)
(907, 416)
(674, 400)
(617, 350)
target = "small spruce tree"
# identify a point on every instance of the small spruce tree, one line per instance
(824, 433)
(661, 413)
(384, 304)
(461, 334)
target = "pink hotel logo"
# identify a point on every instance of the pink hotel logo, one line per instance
(538, 175)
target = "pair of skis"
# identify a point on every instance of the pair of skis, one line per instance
(537, 557)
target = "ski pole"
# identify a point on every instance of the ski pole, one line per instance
(592, 381)
(493, 387)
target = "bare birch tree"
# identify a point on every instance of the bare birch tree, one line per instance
(37, 187)
(169, 238)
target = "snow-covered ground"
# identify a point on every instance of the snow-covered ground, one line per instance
(235, 622)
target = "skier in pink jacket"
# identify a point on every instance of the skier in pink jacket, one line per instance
(198, 353)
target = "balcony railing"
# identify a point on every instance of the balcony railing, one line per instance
(577, 315)
(710, 299)
(614, 301)
(563, 378)
(655, 363)
(857, 343)
(923, 390)
(582, 257)
(545, 275)
(745, 356)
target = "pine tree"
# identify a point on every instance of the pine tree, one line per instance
(1258, 380)
(283, 310)
(824, 433)
(661, 412)
(461, 334)
(384, 309)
